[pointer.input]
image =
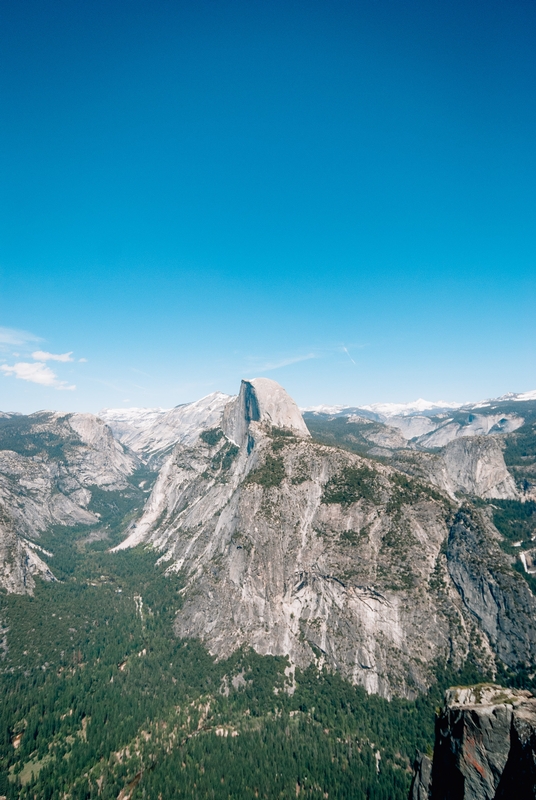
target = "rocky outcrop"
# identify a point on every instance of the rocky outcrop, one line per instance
(485, 747)
(19, 560)
(466, 466)
(422, 778)
(476, 466)
(441, 432)
(265, 401)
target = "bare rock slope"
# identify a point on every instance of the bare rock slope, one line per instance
(151, 433)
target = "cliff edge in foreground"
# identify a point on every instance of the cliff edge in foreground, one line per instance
(485, 747)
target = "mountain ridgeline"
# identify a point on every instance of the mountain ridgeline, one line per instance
(314, 582)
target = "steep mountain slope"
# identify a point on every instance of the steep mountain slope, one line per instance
(300, 549)
(50, 464)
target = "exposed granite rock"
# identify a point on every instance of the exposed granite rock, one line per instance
(476, 466)
(467, 466)
(498, 597)
(474, 424)
(422, 777)
(485, 747)
(261, 400)
(19, 561)
(151, 433)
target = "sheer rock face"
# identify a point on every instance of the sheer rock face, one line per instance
(422, 777)
(19, 561)
(48, 482)
(494, 594)
(485, 747)
(473, 466)
(261, 400)
(277, 568)
(300, 549)
(476, 466)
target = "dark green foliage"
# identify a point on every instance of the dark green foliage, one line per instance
(530, 579)
(521, 446)
(339, 432)
(92, 670)
(211, 437)
(407, 491)
(224, 457)
(350, 485)
(281, 437)
(20, 435)
(516, 521)
(520, 452)
(229, 456)
(269, 474)
(282, 433)
(354, 537)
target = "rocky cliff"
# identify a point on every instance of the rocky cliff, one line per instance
(464, 467)
(485, 748)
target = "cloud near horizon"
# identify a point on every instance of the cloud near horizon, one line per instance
(36, 373)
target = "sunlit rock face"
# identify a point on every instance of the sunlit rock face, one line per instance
(19, 561)
(152, 432)
(261, 400)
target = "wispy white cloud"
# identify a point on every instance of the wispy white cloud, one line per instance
(82, 360)
(42, 355)
(15, 337)
(36, 372)
(267, 366)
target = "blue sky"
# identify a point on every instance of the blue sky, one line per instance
(337, 195)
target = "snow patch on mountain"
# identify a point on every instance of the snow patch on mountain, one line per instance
(384, 411)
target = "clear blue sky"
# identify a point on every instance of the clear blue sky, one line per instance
(337, 195)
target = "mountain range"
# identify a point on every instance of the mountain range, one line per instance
(338, 536)
(246, 554)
